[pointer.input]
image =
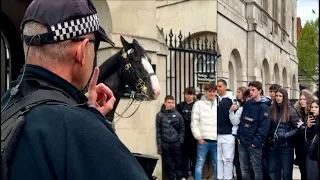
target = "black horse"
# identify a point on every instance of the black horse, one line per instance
(130, 66)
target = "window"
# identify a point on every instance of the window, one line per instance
(265, 5)
(205, 71)
(275, 10)
(283, 14)
(205, 64)
(292, 30)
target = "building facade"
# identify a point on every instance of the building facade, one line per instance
(256, 38)
(260, 43)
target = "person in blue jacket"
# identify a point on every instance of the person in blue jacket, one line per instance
(253, 129)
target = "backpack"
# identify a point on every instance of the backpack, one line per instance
(13, 120)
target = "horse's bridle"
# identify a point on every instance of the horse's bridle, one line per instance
(140, 85)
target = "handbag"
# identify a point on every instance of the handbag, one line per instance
(272, 143)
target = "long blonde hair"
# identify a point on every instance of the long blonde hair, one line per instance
(309, 98)
(242, 89)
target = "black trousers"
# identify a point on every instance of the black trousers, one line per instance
(188, 157)
(171, 155)
(301, 160)
(280, 162)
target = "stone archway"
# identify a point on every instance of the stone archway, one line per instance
(235, 70)
(105, 18)
(285, 81)
(104, 14)
(232, 75)
(191, 62)
(294, 88)
(265, 76)
(276, 76)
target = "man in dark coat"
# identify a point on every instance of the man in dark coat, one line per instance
(64, 141)
(189, 146)
(253, 129)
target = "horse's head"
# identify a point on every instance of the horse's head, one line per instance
(137, 71)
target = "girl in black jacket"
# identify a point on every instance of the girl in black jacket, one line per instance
(303, 108)
(283, 126)
(311, 132)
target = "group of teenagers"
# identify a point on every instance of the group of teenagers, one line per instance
(257, 137)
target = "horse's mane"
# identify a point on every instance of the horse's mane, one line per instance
(139, 50)
(109, 66)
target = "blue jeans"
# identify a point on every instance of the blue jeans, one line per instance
(280, 158)
(202, 151)
(249, 155)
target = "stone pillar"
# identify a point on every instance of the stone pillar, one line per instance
(289, 92)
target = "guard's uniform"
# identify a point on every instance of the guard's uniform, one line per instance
(66, 142)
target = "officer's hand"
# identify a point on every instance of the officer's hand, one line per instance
(100, 95)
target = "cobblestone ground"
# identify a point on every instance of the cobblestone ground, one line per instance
(296, 174)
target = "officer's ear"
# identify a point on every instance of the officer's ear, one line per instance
(80, 55)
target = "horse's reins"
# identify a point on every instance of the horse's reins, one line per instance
(140, 85)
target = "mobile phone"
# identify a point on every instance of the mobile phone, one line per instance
(235, 101)
(311, 115)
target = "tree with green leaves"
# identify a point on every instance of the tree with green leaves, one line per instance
(308, 50)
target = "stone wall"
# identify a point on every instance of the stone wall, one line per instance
(187, 16)
(252, 50)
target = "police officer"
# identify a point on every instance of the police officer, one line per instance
(64, 141)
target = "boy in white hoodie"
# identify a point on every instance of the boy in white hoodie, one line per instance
(204, 129)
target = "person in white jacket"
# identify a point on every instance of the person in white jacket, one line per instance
(204, 129)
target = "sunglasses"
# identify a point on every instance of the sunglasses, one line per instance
(95, 42)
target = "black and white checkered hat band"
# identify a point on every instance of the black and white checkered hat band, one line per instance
(75, 28)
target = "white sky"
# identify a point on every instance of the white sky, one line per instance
(304, 10)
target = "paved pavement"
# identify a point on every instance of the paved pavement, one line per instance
(296, 174)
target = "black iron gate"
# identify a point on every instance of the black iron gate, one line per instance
(191, 62)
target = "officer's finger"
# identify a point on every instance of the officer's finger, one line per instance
(102, 88)
(110, 103)
(107, 106)
(94, 79)
(103, 99)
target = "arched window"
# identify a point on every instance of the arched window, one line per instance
(205, 70)
(205, 64)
